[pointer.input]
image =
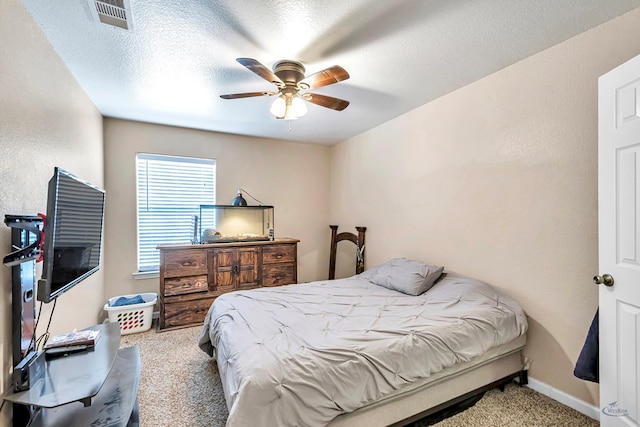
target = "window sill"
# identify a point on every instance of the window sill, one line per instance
(141, 275)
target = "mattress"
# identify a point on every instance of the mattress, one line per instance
(304, 354)
(494, 365)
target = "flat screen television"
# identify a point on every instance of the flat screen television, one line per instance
(72, 234)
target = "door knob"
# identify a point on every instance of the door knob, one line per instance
(605, 279)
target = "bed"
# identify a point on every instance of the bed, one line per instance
(372, 349)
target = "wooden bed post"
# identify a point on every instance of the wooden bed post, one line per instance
(360, 246)
(358, 240)
(332, 255)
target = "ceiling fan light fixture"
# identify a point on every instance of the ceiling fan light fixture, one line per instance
(298, 106)
(288, 107)
(288, 111)
(279, 107)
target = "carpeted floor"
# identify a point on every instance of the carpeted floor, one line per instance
(180, 387)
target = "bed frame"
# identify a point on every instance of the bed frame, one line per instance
(358, 240)
(443, 392)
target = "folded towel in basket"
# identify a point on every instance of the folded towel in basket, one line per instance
(128, 301)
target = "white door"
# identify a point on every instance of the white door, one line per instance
(619, 244)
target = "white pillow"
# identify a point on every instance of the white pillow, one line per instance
(404, 275)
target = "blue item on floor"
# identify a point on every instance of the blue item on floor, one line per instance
(128, 301)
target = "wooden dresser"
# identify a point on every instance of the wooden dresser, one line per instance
(192, 276)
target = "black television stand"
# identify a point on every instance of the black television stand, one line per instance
(94, 387)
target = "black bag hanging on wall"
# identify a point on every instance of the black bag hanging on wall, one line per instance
(587, 364)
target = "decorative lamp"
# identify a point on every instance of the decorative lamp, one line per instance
(239, 200)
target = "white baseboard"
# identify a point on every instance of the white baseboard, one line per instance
(564, 398)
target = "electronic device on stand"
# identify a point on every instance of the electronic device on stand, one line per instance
(27, 238)
(104, 378)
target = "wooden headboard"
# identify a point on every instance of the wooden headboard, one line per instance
(358, 240)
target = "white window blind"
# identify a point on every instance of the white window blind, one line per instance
(170, 191)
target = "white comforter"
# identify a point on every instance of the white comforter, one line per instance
(300, 355)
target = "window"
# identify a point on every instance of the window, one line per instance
(170, 191)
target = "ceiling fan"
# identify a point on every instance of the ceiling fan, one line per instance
(289, 78)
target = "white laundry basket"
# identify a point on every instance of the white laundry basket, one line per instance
(133, 317)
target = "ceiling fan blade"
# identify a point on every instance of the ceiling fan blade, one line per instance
(261, 70)
(325, 77)
(246, 95)
(326, 101)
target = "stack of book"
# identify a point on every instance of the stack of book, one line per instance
(73, 341)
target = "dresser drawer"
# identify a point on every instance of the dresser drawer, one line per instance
(276, 275)
(278, 253)
(186, 313)
(185, 285)
(185, 263)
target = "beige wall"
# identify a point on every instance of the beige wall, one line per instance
(498, 180)
(46, 120)
(292, 177)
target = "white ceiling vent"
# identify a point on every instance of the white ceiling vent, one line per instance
(112, 12)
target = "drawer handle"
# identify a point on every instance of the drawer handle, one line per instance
(189, 285)
(278, 256)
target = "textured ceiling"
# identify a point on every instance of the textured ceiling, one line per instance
(172, 67)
